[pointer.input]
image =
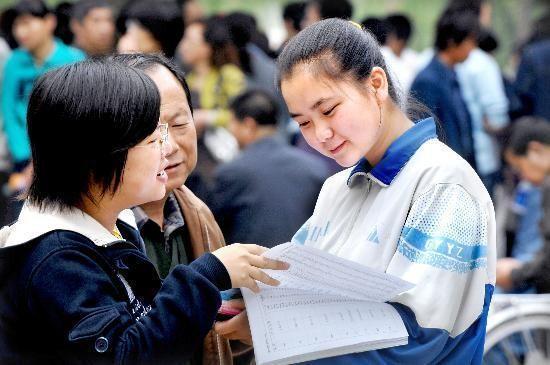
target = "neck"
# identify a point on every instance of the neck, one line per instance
(202, 68)
(394, 124)
(155, 210)
(261, 132)
(43, 51)
(104, 212)
(446, 58)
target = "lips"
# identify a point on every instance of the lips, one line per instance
(171, 166)
(338, 148)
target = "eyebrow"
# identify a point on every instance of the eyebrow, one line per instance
(314, 106)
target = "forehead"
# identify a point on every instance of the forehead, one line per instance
(303, 87)
(102, 11)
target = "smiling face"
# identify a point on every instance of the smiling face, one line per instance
(144, 178)
(338, 118)
(174, 110)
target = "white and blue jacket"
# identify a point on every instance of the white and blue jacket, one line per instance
(423, 215)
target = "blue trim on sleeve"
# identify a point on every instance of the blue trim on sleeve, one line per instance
(398, 153)
(426, 345)
(441, 252)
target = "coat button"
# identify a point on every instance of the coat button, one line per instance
(101, 344)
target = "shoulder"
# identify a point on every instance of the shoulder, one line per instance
(231, 71)
(55, 247)
(17, 56)
(188, 200)
(435, 163)
(65, 53)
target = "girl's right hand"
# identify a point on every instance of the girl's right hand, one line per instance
(244, 264)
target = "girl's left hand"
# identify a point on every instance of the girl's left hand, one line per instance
(237, 328)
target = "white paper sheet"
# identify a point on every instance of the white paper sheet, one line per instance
(325, 306)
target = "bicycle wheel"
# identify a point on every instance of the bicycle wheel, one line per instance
(518, 330)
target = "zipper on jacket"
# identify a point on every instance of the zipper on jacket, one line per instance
(357, 213)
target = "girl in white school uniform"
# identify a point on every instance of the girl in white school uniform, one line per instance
(407, 205)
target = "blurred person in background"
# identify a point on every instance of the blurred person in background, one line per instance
(379, 28)
(531, 84)
(323, 9)
(268, 191)
(62, 12)
(437, 87)
(293, 15)
(150, 27)
(191, 11)
(256, 63)
(214, 79)
(401, 60)
(93, 26)
(5, 158)
(31, 24)
(528, 153)
(482, 86)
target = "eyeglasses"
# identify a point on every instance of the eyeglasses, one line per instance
(162, 142)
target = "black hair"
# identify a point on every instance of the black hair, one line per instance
(81, 120)
(334, 8)
(162, 19)
(401, 26)
(380, 28)
(242, 28)
(487, 40)
(148, 62)
(256, 104)
(525, 130)
(295, 13)
(465, 5)
(455, 27)
(36, 8)
(218, 37)
(81, 8)
(63, 30)
(355, 51)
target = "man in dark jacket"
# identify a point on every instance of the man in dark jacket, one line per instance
(437, 86)
(270, 190)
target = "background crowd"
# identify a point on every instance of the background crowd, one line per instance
(253, 169)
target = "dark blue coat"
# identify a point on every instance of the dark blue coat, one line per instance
(62, 301)
(436, 86)
(266, 193)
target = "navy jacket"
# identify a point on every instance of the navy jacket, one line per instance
(266, 193)
(532, 84)
(436, 86)
(66, 300)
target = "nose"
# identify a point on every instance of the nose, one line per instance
(323, 131)
(167, 148)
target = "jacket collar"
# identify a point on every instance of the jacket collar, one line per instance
(33, 223)
(396, 156)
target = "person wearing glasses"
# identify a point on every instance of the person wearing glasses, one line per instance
(180, 227)
(75, 284)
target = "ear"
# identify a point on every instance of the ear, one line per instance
(535, 146)
(51, 21)
(378, 83)
(250, 123)
(74, 25)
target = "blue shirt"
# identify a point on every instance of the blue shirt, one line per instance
(436, 86)
(482, 88)
(20, 73)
